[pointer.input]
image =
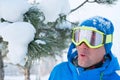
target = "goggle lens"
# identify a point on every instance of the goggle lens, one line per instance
(92, 37)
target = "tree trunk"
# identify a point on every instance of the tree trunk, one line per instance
(1, 64)
(27, 69)
(27, 73)
(1, 68)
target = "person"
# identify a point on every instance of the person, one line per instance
(89, 55)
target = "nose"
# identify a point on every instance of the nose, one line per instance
(83, 45)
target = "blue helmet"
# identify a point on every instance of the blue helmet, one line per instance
(102, 24)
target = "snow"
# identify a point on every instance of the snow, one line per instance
(64, 25)
(18, 35)
(13, 10)
(32, 77)
(52, 9)
(40, 42)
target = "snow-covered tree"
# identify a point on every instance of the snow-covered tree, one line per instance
(42, 28)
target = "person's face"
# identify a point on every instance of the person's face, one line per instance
(89, 56)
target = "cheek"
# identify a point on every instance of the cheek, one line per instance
(96, 55)
(77, 48)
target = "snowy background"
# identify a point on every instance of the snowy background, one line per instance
(13, 11)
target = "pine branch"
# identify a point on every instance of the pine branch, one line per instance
(78, 6)
(105, 1)
(97, 1)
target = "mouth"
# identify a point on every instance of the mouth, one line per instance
(82, 55)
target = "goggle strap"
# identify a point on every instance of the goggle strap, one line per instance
(109, 38)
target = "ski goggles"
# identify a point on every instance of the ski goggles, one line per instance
(92, 37)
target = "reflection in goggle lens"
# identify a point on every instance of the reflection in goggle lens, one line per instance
(92, 37)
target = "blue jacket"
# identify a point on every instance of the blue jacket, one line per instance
(68, 71)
